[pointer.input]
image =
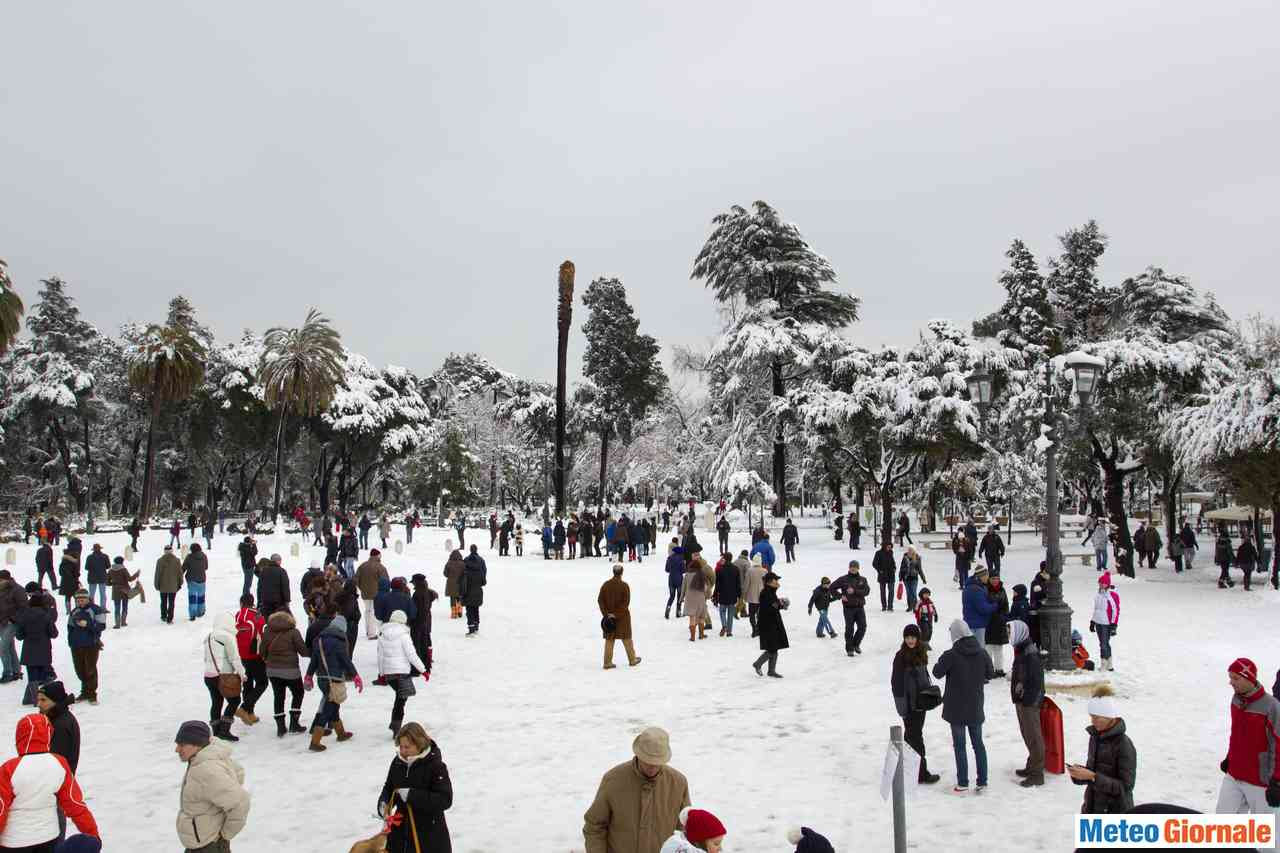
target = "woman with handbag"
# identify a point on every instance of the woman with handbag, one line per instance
(331, 659)
(397, 659)
(223, 674)
(914, 694)
(418, 791)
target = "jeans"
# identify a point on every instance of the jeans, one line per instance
(727, 612)
(349, 567)
(195, 599)
(329, 710)
(1104, 641)
(1101, 555)
(911, 584)
(166, 606)
(962, 758)
(980, 634)
(886, 595)
(408, 533)
(855, 628)
(101, 590)
(248, 581)
(364, 539)
(962, 569)
(824, 624)
(789, 551)
(675, 592)
(216, 700)
(121, 608)
(8, 651)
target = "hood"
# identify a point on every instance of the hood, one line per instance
(281, 620)
(34, 732)
(967, 646)
(393, 630)
(337, 627)
(224, 623)
(215, 751)
(384, 584)
(431, 752)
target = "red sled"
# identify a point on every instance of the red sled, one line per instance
(1051, 729)
(901, 588)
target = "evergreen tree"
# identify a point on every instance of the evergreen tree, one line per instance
(622, 364)
(1027, 315)
(1081, 303)
(10, 309)
(755, 258)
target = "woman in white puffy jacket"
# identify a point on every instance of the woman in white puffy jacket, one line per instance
(222, 657)
(397, 660)
(699, 830)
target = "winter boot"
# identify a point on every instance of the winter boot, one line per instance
(925, 777)
(395, 728)
(295, 725)
(702, 632)
(224, 730)
(316, 745)
(343, 734)
(245, 717)
(693, 633)
(667, 613)
(281, 731)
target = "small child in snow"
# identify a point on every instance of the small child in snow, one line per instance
(701, 831)
(519, 541)
(821, 599)
(1020, 607)
(926, 615)
(1079, 654)
(808, 841)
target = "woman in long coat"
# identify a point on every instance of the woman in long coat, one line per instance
(695, 599)
(453, 573)
(419, 789)
(773, 634)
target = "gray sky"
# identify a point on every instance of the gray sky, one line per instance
(419, 170)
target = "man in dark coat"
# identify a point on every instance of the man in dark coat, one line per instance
(966, 668)
(992, 549)
(773, 633)
(273, 586)
(248, 551)
(96, 566)
(1035, 599)
(472, 588)
(614, 601)
(727, 592)
(886, 566)
(722, 533)
(790, 536)
(852, 589)
(167, 582)
(12, 599)
(37, 626)
(53, 702)
(44, 565)
(1026, 687)
(675, 580)
(855, 531)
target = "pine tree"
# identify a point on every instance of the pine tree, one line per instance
(1081, 303)
(1027, 315)
(10, 310)
(757, 259)
(622, 364)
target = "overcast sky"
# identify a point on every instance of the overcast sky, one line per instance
(419, 170)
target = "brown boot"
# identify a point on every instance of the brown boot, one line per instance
(702, 632)
(342, 732)
(693, 633)
(245, 717)
(316, 745)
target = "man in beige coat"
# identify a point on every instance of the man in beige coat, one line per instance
(367, 576)
(615, 604)
(744, 566)
(213, 805)
(755, 585)
(637, 806)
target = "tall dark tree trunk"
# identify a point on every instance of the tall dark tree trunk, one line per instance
(779, 447)
(604, 461)
(834, 483)
(564, 319)
(1113, 480)
(886, 507)
(275, 504)
(64, 453)
(148, 470)
(88, 466)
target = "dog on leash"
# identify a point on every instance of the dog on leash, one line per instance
(377, 844)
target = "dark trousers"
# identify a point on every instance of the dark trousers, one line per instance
(886, 595)
(255, 683)
(166, 606)
(47, 847)
(53, 579)
(222, 845)
(216, 700)
(790, 550)
(913, 734)
(675, 592)
(724, 542)
(473, 617)
(248, 580)
(855, 628)
(278, 687)
(770, 658)
(752, 612)
(993, 565)
(36, 675)
(85, 661)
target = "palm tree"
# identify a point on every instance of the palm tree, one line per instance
(300, 371)
(564, 319)
(10, 310)
(168, 364)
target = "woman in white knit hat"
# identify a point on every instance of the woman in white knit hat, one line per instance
(1109, 772)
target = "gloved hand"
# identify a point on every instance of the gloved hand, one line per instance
(1092, 627)
(426, 676)
(1273, 794)
(308, 683)
(1223, 765)
(359, 682)
(1114, 630)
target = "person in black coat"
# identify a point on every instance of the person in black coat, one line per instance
(773, 634)
(727, 592)
(248, 551)
(37, 626)
(1247, 560)
(420, 626)
(1026, 688)
(1112, 765)
(992, 549)
(1223, 556)
(471, 587)
(886, 567)
(852, 589)
(52, 700)
(722, 534)
(790, 536)
(966, 668)
(273, 587)
(1020, 607)
(96, 566)
(419, 789)
(44, 565)
(911, 675)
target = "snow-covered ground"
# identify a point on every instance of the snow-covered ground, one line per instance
(528, 721)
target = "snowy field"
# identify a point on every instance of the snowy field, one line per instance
(527, 720)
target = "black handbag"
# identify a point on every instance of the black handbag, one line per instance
(929, 697)
(608, 625)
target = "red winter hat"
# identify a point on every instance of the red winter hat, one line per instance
(1245, 667)
(701, 825)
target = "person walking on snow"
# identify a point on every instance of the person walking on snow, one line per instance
(213, 806)
(367, 577)
(885, 566)
(790, 536)
(1098, 539)
(1247, 559)
(1223, 556)
(755, 585)
(96, 566)
(722, 533)
(249, 628)
(471, 589)
(1026, 687)
(966, 668)
(248, 552)
(280, 647)
(1251, 780)
(34, 786)
(727, 591)
(991, 549)
(773, 633)
(926, 616)
(614, 602)
(1106, 617)
(977, 605)
(331, 659)
(396, 656)
(195, 569)
(85, 624)
(997, 634)
(453, 569)
(417, 784)
(765, 550)
(911, 573)
(821, 599)
(675, 581)
(853, 589)
(167, 582)
(638, 803)
(909, 677)
(222, 657)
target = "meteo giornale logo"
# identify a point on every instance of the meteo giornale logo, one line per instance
(1175, 831)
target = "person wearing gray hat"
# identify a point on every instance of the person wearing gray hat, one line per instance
(966, 667)
(213, 805)
(616, 819)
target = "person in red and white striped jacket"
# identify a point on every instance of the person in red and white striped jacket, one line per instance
(1106, 617)
(33, 786)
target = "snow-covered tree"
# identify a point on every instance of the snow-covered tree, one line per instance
(10, 309)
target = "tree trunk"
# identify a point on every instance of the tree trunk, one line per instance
(886, 507)
(1113, 480)
(88, 467)
(835, 484)
(564, 321)
(604, 460)
(275, 504)
(779, 447)
(1169, 494)
(149, 469)
(64, 453)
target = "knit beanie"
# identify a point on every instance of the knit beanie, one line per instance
(1245, 667)
(1103, 704)
(194, 733)
(54, 691)
(700, 825)
(960, 630)
(808, 841)
(398, 617)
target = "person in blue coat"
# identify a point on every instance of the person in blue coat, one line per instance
(331, 666)
(765, 550)
(675, 580)
(85, 624)
(547, 541)
(393, 595)
(978, 605)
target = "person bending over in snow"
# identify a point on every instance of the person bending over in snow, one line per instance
(699, 830)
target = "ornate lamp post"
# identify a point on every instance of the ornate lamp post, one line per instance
(1055, 615)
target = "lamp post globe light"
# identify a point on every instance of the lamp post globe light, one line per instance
(1055, 615)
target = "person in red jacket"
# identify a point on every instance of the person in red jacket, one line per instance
(249, 625)
(33, 786)
(1251, 784)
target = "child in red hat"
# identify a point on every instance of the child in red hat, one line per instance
(702, 831)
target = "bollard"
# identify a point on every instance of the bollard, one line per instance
(10, 557)
(899, 794)
(293, 549)
(399, 547)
